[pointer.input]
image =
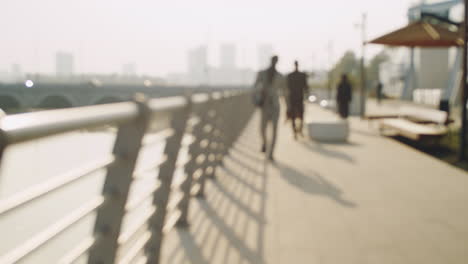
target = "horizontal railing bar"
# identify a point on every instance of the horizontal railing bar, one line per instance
(136, 248)
(200, 98)
(172, 220)
(179, 179)
(177, 197)
(142, 260)
(182, 164)
(192, 121)
(134, 203)
(216, 95)
(158, 137)
(167, 104)
(39, 240)
(182, 161)
(23, 127)
(195, 188)
(125, 237)
(140, 173)
(35, 192)
(78, 251)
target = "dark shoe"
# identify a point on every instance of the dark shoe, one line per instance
(263, 148)
(270, 158)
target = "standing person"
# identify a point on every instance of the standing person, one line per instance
(269, 85)
(344, 96)
(297, 87)
(379, 92)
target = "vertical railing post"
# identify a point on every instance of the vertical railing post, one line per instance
(233, 117)
(3, 146)
(116, 186)
(229, 128)
(195, 151)
(247, 108)
(214, 137)
(237, 118)
(208, 149)
(178, 124)
(218, 145)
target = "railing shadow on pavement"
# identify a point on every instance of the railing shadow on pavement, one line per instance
(253, 146)
(314, 184)
(228, 226)
(239, 159)
(326, 151)
(248, 152)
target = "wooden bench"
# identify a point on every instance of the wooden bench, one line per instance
(417, 123)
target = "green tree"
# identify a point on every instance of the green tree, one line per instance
(374, 66)
(372, 71)
(348, 64)
(351, 65)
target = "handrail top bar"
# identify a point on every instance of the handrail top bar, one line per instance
(28, 126)
(167, 103)
(23, 127)
(216, 95)
(172, 103)
(200, 98)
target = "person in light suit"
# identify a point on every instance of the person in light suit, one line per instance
(270, 85)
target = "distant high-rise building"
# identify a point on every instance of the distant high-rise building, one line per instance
(64, 64)
(228, 56)
(265, 51)
(129, 69)
(16, 72)
(197, 60)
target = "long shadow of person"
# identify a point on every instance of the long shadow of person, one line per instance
(314, 184)
(321, 149)
(228, 225)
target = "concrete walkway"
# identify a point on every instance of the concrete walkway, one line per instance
(372, 200)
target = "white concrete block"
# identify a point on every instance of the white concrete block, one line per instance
(333, 130)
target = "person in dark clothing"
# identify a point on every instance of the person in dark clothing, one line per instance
(344, 96)
(297, 87)
(378, 91)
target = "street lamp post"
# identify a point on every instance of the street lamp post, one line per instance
(462, 150)
(363, 66)
(330, 69)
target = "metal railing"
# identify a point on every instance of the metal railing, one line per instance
(212, 122)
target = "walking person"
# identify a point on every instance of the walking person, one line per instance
(344, 96)
(378, 92)
(269, 85)
(297, 87)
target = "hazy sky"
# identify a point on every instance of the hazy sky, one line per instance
(156, 34)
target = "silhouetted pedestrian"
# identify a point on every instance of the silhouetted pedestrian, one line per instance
(344, 96)
(297, 87)
(269, 85)
(378, 92)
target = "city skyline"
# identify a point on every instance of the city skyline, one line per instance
(146, 33)
(197, 71)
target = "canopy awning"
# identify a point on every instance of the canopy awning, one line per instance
(421, 34)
